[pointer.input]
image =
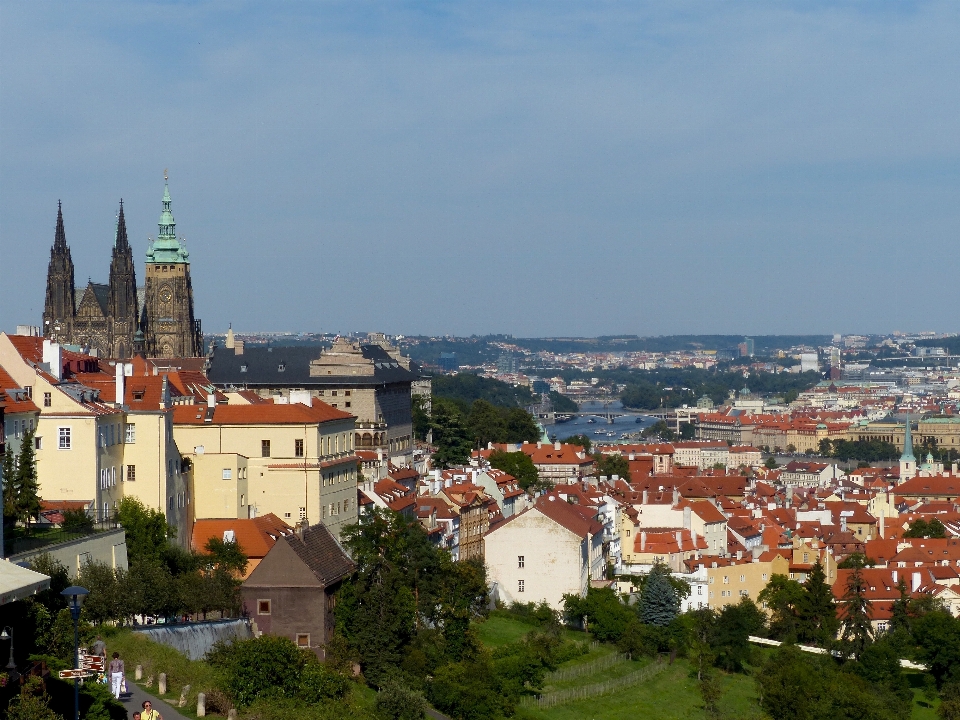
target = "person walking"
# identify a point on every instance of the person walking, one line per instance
(116, 675)
(148, 712)
(100, 647)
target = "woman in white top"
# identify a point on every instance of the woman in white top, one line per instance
(116, 675)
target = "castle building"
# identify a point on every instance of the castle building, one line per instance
(118, 319)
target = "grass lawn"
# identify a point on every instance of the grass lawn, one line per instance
(671, 695)
(496, 631)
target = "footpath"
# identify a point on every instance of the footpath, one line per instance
(133, 702)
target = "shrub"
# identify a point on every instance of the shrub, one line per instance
(263, 667)
(396, 701)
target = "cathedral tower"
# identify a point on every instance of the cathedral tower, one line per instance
(59, 307)
(169, 325)
(122, 309)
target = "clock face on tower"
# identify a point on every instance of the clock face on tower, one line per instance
(165, 293)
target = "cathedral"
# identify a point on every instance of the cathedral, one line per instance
(119, 319)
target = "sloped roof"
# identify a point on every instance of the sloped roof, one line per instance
(265, 414)
(255, 536)
(321, 552)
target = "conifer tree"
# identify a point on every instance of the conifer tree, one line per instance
(25, 491)
(900, 619)
(658, 600)
(9, 482)
(857, 611)
(819, 622)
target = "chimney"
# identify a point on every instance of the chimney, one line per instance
(539, 445)
(643, 541)
(916, 581)
(300, 529)
(119, 381)
(843, 524)
(739, 554)
(556, 446)
(680, 540)
(953, 469)
(211, 400)
(676, 495)
(883, 527)
(238, 347)
(894, 576)
(53, 358)
(644, 497)
(687, 518)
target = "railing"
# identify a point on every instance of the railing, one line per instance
(35, 537)
(589, 668)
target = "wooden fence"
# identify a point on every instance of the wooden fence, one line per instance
(589, 668)
(559, 697)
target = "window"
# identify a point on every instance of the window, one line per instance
(806, 557)
(347, 404)
(263, 607)
(334, 393)
(131, 436)
(265, 448)
(47, 399)
(764, 577)
(298, 448)
(726, 580)
(131, 473)
(303, 640)
(65, 443)
(286, 515)
(37, 445)
(227, 474)
(699, 589)
(743, 578)
(520, 561)
(303, 513)
(520, 586)
(347, 393)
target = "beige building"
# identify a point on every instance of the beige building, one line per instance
(294, 460)
(370, 380)
(90, 446)
(727, 582)
(546, 551)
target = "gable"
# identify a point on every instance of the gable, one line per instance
(93, 302)
(282, 567)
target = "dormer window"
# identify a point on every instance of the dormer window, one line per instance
(243, 368)
(138, 394)
(281, 367)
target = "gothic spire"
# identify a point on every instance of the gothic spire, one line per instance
(908, 444)
(120, 241)
(60, 238)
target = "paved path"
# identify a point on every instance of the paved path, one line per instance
(134, 702)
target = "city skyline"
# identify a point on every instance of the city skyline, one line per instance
(520, 169)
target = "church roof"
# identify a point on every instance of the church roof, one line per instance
(261, 366)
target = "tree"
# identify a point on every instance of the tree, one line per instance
(421, 419)
(921, 528)
(517, 464)
(900, 618)
(937, 635)
(818, 611)
(770, 463)
(784, 600)
(24, 498)
(857, 631)
(449, 435)
(227, 555)
(267, 666)
(658, 600)
(612, 464)
(146, 530)
(605, 614)
(486, 423)
(581, 440)
(735, 623)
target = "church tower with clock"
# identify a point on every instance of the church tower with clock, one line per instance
(169, 327)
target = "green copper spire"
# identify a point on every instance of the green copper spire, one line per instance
(166, 248)
(908, 444)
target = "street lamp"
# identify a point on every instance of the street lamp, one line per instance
(7, 634)
(75, 596)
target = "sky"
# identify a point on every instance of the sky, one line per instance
(533, 168)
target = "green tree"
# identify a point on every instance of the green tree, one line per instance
(734, 624)
(450, 435)
(581, 440)
(421, 419)
(659, 604)
(24, 491)
(606, 615)
(818, 611)
(146, 530)
(227, 555)
(784, 599)
(264, 667)
(612, 464)
(949, 708)
(32, 703)
(517, 464)
(396, 701)
(921, 528)
(937, 635)
(486, 423)
(857, 632)
(770, 463)
(900, 609)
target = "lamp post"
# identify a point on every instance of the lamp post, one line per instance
(7, 634)
(75, 596)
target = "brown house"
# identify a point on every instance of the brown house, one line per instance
(291, 592)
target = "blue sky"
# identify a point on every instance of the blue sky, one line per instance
(528, 168)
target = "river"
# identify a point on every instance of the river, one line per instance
(597, 428)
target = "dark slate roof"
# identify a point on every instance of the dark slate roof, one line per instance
(263, 368)
(321, 552)
(101, 294)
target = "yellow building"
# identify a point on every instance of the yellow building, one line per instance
(728, 581)
(297, 461)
